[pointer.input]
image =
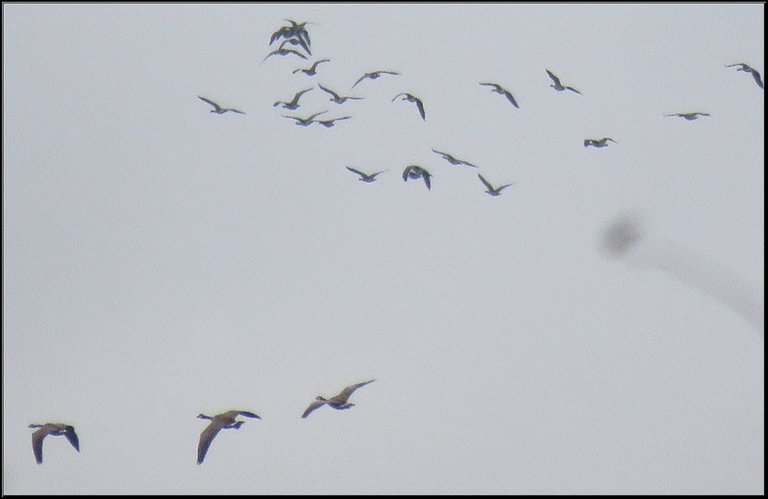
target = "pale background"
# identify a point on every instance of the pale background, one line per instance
(160, 261)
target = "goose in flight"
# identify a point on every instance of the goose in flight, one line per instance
(410, 98)
(56, 429)
(493, 191)
(598, 142)
(311, 71)
(304, 121)
(331, 122)
(453, 160)
(296, 41)
(748, 69)
(218, 422)
(501, 90)
(294, 30)
(284, 52)
(373, 75)
(338, 99)
(415, 171)
(337, 401)
(559, 86)
(688, 116)
(294, 103)
(365, 177)
(217, 108)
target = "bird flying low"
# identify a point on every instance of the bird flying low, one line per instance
(411, 98)
(217, 108)
(338, 99)
(559, 86)
(55, 429)
(338, 402)
(688, 116)
(748, 69)
(501, 90)
(294, 103)
(453, 160)
(598, 142)
(493, 191)
(312, 70)
(365, 177)
(373, 75)
(219, 422)
(415, 171)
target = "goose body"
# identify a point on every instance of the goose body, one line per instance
(501, 90)
(55, 429)
(557, 85)
(410, 98)
(493, 191)
(225, 420)
(312, 70)
(217, 108)
(339, 401)
(748, 69)
(415, 171)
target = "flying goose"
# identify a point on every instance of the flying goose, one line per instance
(493, 191)
(748, 69)
(284, 52)
(294, 30)
(217, 108)
(598, 142)
(688, 116)
(55, 429)
(365, 177)
(311, 71)
(559, 86)
(337, 401)
(338, 99)
(410, 98)
(373, 75)
(501, 90)
(415, 171)
(331, 122)
(225, 420)
(294, 103)
(296, 41)
(304, 121)
(453, 160)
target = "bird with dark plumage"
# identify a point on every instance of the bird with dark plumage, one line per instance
(449, 158)
(282, 51)
(55, 429)
(304, 121)
(312, 70)
(295, 30)
(365, 177)
(598, 142)
(748, 69)
(217, 108)
(493, 191)
(416, 171)
(557, 85)
(338, 99)
(688, 116)
(338, 402)
(294, 103)
(410, 98)
(219, 422)
(374, 75)
(503, 91)
(331, 122)
(296, 41)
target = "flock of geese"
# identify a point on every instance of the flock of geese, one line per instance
(298, 38)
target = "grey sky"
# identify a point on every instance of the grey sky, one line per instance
(160, 261)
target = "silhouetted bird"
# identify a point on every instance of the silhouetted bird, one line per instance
(688, 116)
(218, 109)
(501, 90)
(311, 71)
(331, 122)
(304, 121)
(365, 177)
(748, 69)
(415, 171)
(296, 41)
(294, 103)
(373, 75)
(284, 52)
(453, 160)
(219, 422)
(559, 86)
(294, 30)
(338, 402)
(493, 191)
(411, 98)
(338, 99)
(598, 142)
(55, 429)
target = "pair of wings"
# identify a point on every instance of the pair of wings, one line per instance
(39, 435)
(218, 423)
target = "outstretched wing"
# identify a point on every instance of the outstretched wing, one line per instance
(314, 405)
(209, 101)
(346, 392)
(426, 176)
(249, 414)
(72, 437)
(206, 437)
(235, 111)
(495, 85)
(510, 98)
(366, 75)
(37, 444)
(420, 105)
(573, 90)
(485, 182)
(555, 79)
(328, 90)
(364, 175)
(757, 78)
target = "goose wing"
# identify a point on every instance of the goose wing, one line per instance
(209, 101)
(72, 437)
(328, 90)
(346, 392)
(510, 98)
(206, 437)
(37, 442)
(426, 176)
(485, 182)
(314, 405)
(366, 75)
(420, 105)
(573, 90)
(249, 414)
(757, 78)
(495, 85)
(363, 175)
(554, 77)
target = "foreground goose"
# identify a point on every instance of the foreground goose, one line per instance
(688, 116)
(217, 108)
(312, 70)
(221, 421)
(304, 121)
(410, 98)
(294, 103)
(365, 177)
(337, 401)
(493, 191)
(453, 160)
(598, 142)
(415, 171)
(501, 90)
(338, 99)
(748, 69)
(373, 75)
(559, 86)
(55, 429)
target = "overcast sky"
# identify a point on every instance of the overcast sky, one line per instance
(160, 261)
